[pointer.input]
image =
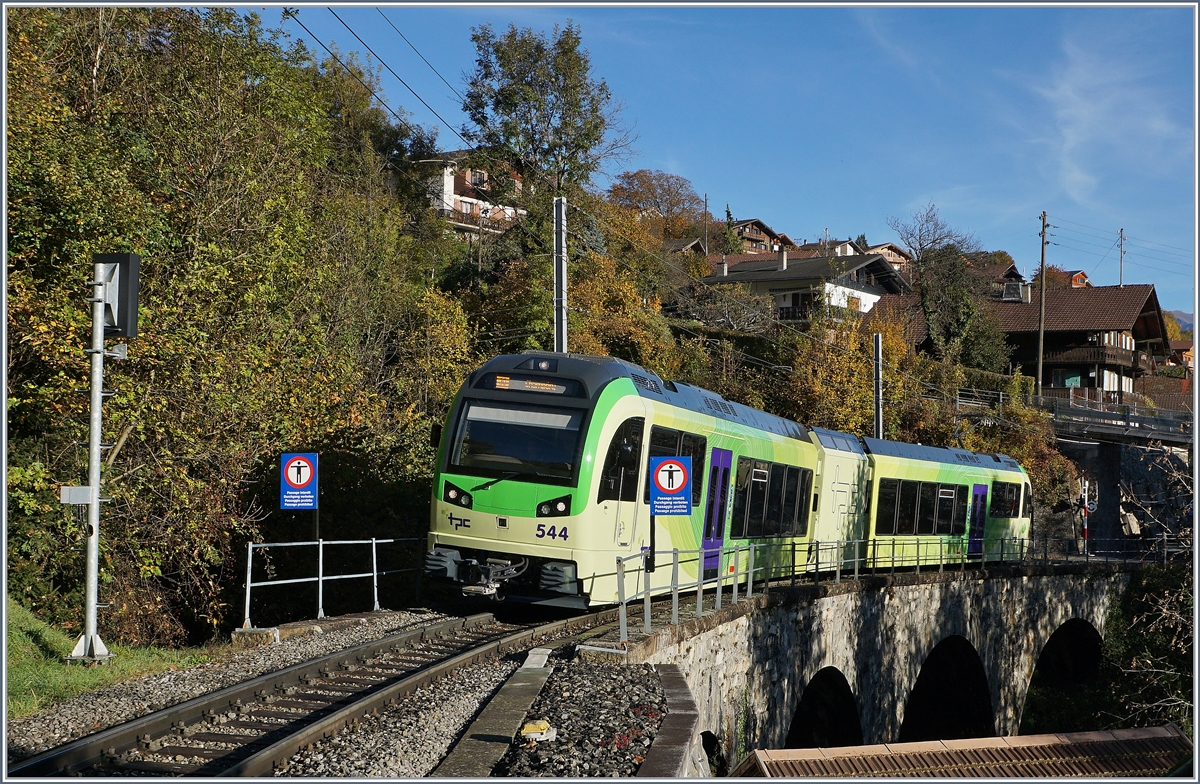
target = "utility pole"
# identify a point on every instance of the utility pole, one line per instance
(560, 274)
(1121, 269)
(1042, 307)
(878, 385)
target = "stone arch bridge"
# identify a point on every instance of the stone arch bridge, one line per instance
(885, 659)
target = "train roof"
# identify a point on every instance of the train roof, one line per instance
(939, 454)
(596, 371)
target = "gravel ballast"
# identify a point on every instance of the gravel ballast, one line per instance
(605, 717)
(97, 710)
(408, 738)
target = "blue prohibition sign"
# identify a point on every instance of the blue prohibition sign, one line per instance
(670, 485)
(298, 480)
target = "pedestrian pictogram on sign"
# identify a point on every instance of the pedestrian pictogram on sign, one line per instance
(298, 481)
(671, 485)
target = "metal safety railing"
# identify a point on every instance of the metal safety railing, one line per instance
(321, 578)
(741, 567)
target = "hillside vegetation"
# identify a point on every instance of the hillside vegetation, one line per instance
(298, 293)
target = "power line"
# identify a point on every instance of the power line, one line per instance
(651, 253)
(414, 48)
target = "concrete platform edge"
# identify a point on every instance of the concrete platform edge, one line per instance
(674, 753)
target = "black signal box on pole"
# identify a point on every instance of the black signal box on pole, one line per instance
(120, 293)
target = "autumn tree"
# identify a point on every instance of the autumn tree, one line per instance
(669, 199)
(1056, 278)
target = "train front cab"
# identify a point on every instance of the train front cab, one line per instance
(514, 513)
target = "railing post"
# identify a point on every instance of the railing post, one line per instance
(374, 574)
(646, 557)
(817, 564)
(737, 570)
(720, 579)
(941, 555)
(750, 572)
(837, 565)
(793, 580)
(700, 581)
(621, 610)
(918, 558)
(1046, 550)
(320, 578)
(1002, 540)
(893, 556)
(1164, 541)
(249, 563)
(675, 586)
(856, 541)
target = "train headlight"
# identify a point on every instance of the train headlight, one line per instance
(456, 495)
(555, 507)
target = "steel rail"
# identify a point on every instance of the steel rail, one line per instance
(82, 753)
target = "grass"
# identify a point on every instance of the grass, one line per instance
(38, 675)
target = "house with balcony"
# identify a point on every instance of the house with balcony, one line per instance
(461, 195)
(896, 255)
(853, 283)
(756, 236)
(1097, 337)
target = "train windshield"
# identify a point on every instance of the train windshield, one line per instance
(529, 442)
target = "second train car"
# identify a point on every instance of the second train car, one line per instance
(542, 469)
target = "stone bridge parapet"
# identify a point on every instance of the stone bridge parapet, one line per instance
(748, 665)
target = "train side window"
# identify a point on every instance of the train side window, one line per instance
(737, 527)
(928, 507)
(906, 513)
(773, 525)
(1006, 500)
(619, 478)
(806, 485)
(960, 511)
(757, 504)
(791, 494)
(885, 518)
(694, 446)
(945, 509)
(1027, 506)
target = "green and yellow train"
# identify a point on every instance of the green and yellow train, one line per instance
(542, 469)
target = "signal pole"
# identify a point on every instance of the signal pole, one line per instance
(1042, 307)
(878, 385)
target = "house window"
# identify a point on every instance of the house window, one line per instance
(478, 177)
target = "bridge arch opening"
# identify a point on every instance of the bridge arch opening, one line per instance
(1066, 682)
(950, 699)
(827, 715)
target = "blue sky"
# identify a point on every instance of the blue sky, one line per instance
(813, 118)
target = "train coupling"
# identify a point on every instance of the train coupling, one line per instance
(489, 590)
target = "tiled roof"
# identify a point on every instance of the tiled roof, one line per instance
(905, 308)
(674, 246)
(1098, 309)
(1180, 345)
(1155, 751)
(765, 267)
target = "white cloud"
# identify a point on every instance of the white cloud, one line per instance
(1109, 117)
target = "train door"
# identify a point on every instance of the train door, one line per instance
(619, 479)
(978, 515)
(715, 510)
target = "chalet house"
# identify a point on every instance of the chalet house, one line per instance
(460, 195)
(756, 236)
(832, 248)
(897, 256)
(1102, 337)
(1106, 339)
(853, 282)
(1000, 282)
(1079, 279)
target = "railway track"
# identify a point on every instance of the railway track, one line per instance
(253, 728)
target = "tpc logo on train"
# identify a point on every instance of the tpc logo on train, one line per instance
(670, 485)
(298, 480)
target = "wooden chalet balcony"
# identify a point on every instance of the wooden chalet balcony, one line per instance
(469, 221)
(1101, 355)
(790, 313)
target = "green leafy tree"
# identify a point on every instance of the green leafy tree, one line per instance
(537, 111)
